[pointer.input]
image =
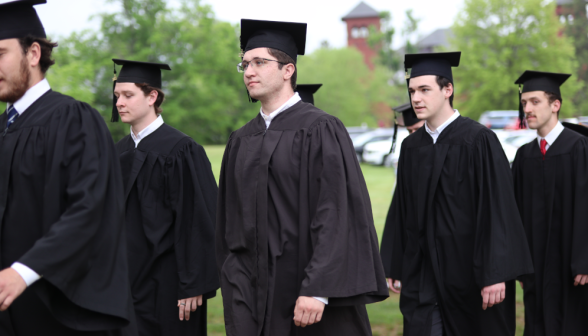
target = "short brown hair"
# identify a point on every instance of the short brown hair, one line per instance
(553, 97)
(46, 50)
(443, 82)
(146, 88)
(283, 58)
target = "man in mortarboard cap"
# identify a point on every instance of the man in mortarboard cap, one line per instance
(409, 118)
(170, 202)
(412, 124)
(62, 245)
(455, 241)
(292, 204)
(551, 187)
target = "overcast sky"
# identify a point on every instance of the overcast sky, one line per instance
(61, 17)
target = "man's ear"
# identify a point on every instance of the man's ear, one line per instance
(555, 106)
(289, 71)
(153, 97)
(448, 90)
(34, 54)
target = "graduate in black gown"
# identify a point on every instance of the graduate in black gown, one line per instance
(412, 124)
(170, 200)
(551, 187)
(62, 242)
(296, 244)
(454, 238)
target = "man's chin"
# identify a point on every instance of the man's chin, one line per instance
(12, 96)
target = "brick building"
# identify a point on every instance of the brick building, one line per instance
(358, 22)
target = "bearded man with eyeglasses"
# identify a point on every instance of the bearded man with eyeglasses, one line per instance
(296, 244)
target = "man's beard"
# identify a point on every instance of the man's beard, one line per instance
(18, 87)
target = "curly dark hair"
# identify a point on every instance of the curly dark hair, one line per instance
(46, 50)
(146, 88)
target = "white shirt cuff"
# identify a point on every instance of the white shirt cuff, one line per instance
(27, 274)
(322, 299)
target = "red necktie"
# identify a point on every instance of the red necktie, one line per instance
(543, 149)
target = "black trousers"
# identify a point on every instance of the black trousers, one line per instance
(436, 323)
(28, 316)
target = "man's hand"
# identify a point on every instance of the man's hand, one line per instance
(492, 295)
(11, 286)
(188, 305)
(581, 279)
(308, 311)
(394, 285)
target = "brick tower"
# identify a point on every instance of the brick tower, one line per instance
(358, 22)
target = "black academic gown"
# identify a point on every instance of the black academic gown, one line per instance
(294, 219)
(552, 196)
(61, 214)
(170, 195)
(453, 228)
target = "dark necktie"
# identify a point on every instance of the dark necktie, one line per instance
(12, 115)
(543, 149)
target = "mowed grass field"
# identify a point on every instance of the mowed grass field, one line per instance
(385, 317)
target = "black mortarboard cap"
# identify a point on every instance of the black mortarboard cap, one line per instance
(136, 72)
(289, 37)
(539, 81)
(18, 18)
(437, 64)
(408, 115)
(576, 127)
(306, 92)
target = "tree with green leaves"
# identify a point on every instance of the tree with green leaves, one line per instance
(350, 90)
(576, 26)
(205, 95)
(499, 39)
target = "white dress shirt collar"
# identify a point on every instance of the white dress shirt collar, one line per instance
(551, 136)
(268, 118)
(435, 134)
(147, 130)
(32, 95)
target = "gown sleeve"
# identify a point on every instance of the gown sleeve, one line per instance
(393, 239)
(345, 261)
(580, 225)
(501, 250)
(222, 249)
(193, 193)
(82, 254)
(518, 190)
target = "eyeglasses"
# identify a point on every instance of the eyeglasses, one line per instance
(257, 63)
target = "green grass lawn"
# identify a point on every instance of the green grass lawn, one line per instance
(385, 316)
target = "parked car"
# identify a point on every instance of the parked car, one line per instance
(519, 138)
(376, 135)
(583, 120)
(499, 119)
(511, 140)
(356, 131)
(378, 152)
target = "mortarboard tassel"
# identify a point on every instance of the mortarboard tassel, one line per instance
(114, 117)
(521, 112)
(394, 136)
